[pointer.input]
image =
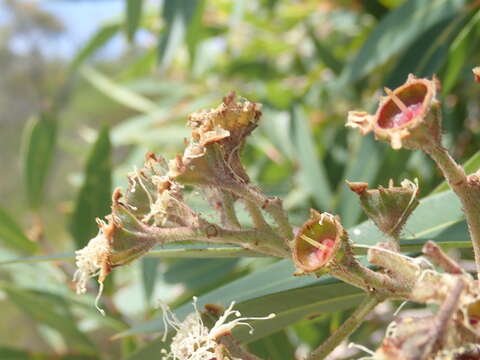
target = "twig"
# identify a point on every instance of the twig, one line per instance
(347, 328)
(436, 254)
(469, 196)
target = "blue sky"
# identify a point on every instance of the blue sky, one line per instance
(81, 19)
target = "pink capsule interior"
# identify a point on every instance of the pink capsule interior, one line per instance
(319, 257)
(412, 96)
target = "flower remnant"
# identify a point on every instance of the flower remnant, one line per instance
(194, 340)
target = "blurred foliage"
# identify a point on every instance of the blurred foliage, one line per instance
(308, 62)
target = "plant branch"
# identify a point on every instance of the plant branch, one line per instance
(228, 214)
(256, 240)
(469, 195)
(272, 206)
(347, 328)
(257, 217)
(436, 254)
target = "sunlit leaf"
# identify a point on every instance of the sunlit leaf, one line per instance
(117, 92)
(177, 16)
(396, 31)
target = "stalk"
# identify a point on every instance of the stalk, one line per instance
(347, 328)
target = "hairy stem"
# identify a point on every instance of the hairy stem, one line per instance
(256, 240)
(364, 278)
(347, 328)
(469, 195)
(228, 214)
(257, 217)
(272, 206)
(438, 257)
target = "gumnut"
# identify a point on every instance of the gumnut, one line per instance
(389, 208)
(408, 116)
(320, 244)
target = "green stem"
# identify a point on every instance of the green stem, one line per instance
(256, 240)
(229, 216)
(469, 195)
(257, 217)
(347, 328)
(272, 206)
(364, 278)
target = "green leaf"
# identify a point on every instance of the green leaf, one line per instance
(99, 39)
(470, 166)
(149, 275)
(38, 148)
(274, 289)
(94, 196)
(117, 92)
(195, 31)
(177, 15)
(312, 173)
(149, 352)
(133, 14)
(459, 52)
(12, 236)
(363, 165)
(395, 32)
(276, 346)
(324, 53)
(53, 311)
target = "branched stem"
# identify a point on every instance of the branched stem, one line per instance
(257, 217)
(272, 206)
(347, 328)
(229, 216)
(469, 196)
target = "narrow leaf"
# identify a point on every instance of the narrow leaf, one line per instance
(12, 236)
(363, 165)
(177, 16)
(149, 275)
(396, 31)
(133, 16)
(117, 92)
(38, 147)
(94, 196)
(312, 172)
(51, 310)
(96, 42)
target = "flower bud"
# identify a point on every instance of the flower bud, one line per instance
(389, 208)
(320, 243)
(408, 116)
